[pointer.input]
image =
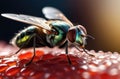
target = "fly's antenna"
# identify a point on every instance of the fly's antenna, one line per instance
(90, 36)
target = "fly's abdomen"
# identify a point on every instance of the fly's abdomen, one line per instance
(25, 38)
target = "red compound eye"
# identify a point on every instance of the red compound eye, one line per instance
(71, 35)
(51, 63)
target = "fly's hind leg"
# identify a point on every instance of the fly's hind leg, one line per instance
(34, 45)
(20, 48)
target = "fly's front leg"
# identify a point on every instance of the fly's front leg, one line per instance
(83, 50)
(66, 51)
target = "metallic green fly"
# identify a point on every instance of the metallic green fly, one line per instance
(57, 31)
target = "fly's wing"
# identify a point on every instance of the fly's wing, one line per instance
(53, 13)
(37, 21)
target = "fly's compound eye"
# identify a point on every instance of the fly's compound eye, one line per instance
(71, 35)
(77, 35)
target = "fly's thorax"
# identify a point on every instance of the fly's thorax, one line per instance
(25, 37)
(77, 35)
(60, 29)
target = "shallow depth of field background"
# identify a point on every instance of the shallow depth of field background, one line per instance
(100, 18)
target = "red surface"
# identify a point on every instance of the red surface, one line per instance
(52, 64)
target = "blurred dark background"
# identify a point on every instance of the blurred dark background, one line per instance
(100, 18)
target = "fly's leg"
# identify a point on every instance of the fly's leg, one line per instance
(83, 50)
(88, 53)
(21, 46)
(34, 45)
(66, 51)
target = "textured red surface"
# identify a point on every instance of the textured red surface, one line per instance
(52, 64)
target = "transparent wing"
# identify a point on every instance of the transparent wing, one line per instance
(53, 13)
(28, 19)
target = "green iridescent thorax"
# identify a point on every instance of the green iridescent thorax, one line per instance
(61, 28)
(25, 36)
